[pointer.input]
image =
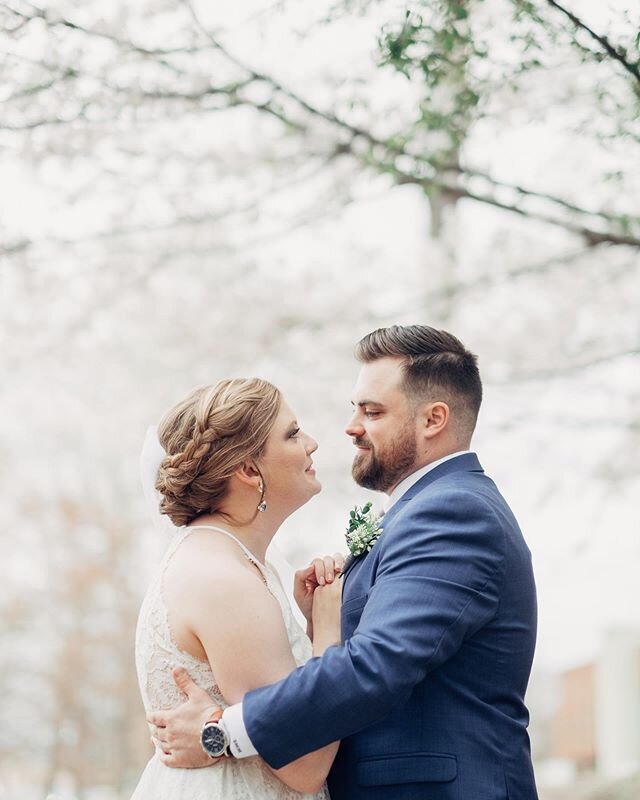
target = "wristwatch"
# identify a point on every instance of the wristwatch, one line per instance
(214, 738)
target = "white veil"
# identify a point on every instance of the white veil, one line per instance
(151, 457)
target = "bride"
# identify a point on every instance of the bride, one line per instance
(236, 466)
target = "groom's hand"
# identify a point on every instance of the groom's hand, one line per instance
(177, 732)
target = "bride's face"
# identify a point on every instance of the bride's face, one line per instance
(286, 463)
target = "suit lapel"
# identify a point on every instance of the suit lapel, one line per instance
(467, 462)
(349, 563)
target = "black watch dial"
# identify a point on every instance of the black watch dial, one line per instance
(214, 740)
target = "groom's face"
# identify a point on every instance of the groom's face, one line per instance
(383, 427)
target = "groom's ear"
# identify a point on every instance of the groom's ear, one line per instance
(248, 473)
(434, 418)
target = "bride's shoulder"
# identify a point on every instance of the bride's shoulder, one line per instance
(213, 577)
(210, 566)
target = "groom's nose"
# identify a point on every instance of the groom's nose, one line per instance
(354, 428)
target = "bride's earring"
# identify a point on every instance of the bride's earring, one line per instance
(262, 505)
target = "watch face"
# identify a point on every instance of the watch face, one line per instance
(214, 740)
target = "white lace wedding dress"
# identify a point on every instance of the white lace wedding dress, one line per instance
(157, 654)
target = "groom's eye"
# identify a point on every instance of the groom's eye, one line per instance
(371, 414)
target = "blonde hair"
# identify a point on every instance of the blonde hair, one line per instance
(207, 436)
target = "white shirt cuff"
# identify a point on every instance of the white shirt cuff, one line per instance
(239, 742)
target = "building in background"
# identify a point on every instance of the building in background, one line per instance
(617, 705)
(595, 726)
(573, 726)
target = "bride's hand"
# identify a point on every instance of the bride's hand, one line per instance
(321, 572)
(327, 605)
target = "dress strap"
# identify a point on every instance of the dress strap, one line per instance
(174, 545)
(246, 550)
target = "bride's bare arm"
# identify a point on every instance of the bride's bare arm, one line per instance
(240, 626)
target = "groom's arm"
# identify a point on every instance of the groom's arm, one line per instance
(437, 583)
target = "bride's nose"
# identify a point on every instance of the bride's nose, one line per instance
(312, 445)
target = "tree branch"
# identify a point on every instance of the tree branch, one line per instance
(491, 278)
(387, 150)
(554, 373)
(39, 123)
(566, 423)
(591, 236)
(486, 280)
(614, 52)
(40, 13)
(14, 247)
(179, 222)
(28, 91)
(524, 192)
(259, 76)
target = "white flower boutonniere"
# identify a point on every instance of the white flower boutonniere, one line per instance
(363, 531)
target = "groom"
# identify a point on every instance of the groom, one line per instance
(438, 620)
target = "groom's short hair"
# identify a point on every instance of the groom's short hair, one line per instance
(437, 366)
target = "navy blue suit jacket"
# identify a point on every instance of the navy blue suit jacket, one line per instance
(427, 690)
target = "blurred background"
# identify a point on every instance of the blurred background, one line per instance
(193, 190)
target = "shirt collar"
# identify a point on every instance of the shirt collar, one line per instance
(408, 482)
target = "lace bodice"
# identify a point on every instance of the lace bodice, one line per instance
(156, 655)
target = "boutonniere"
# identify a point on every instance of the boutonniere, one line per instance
(363, 531)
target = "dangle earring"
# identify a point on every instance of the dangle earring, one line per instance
(262, 505)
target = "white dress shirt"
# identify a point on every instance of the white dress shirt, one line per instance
(239, 742)
(403, 487)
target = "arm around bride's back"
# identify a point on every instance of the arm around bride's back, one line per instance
(240, 626)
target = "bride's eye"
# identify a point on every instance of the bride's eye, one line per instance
(294, 433)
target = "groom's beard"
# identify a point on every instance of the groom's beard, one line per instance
(382, 469)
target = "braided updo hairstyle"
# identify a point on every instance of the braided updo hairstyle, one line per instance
(207, 436)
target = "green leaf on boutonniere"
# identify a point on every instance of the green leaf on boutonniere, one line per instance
(363, 530)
